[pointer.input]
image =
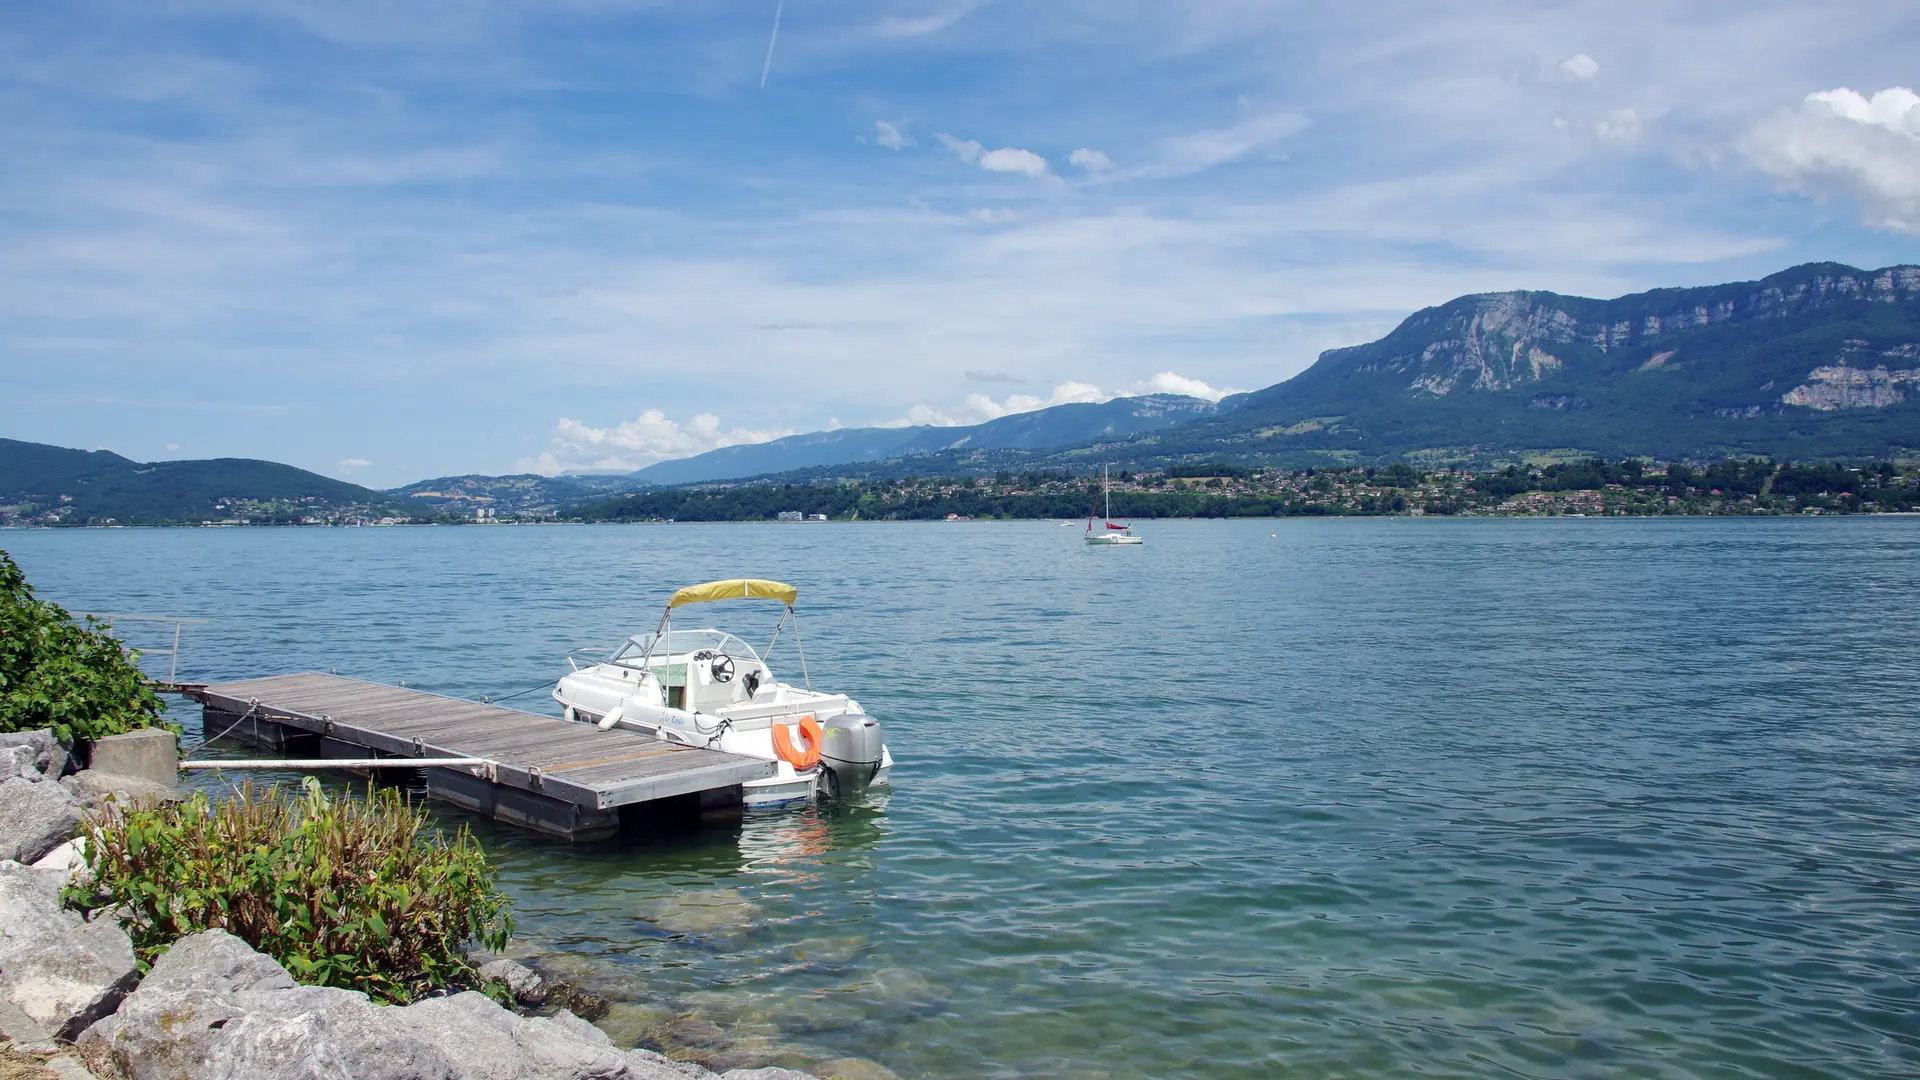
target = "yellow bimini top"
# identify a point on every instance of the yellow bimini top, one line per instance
(734, 589)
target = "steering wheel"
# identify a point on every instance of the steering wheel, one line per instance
(722, 669)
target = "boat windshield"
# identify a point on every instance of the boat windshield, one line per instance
(680, 643)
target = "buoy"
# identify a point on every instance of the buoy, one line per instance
(612, 717)
(567, 713)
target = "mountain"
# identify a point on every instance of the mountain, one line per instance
(1821, 361)
(40, 483)
(1059, 425)
(517, 494)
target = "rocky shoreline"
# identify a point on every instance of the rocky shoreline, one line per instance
(73, 1003)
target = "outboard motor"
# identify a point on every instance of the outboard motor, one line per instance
(850, 747)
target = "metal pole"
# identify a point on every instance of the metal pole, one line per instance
(173, 658)
(341, 763)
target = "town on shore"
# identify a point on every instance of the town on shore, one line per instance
(1579, 487)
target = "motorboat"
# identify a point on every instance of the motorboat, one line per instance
(1113, 535)
(710, 689)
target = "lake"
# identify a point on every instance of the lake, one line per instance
(1380, 797)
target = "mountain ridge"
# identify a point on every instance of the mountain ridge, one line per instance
(1039, 429)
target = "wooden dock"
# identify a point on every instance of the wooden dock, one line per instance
(554, 776)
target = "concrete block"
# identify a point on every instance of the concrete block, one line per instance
(151, 754)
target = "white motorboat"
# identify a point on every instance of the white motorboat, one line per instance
(1113, 535)
(708, 688)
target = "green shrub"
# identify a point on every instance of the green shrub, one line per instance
(364, 895)
(57, 673)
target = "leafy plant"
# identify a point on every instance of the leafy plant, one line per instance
(361, 894)
(58, 673)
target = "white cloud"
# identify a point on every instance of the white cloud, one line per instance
(637, 443)
(1842, 143)
(1579, 67)
(1184, 155)
(890, 135)
(1013, 160)
(979, 408)
(354, 463)
(1007, 159)
(1090, 159)
(1620, 125)
(171, 446)
(966, 150)
(898, 27)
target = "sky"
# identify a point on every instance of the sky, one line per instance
(389, 241)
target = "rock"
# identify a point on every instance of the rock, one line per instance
(66, 864)
(65, 1068)
(213, 1009)
(151, 755)
(59, 970)
(93, 788)
(708, 913)
(809, 1015)
(765, 1074)
(631, 1025)
(499, 1045)
(526, 985)
(853, 1068)
(18, 761)
(649, 1065)
(49, 756)
(35, 818)
(897, 992)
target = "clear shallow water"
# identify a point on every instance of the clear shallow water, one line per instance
(1366, 798)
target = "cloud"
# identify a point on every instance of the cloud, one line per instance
(1840, 143)
(171, 446)
(979, 408)
(1012, 160)
(1090, 160)
(354, 463)
(898, 27)
(991, 377)
(1184, 155)
(637, 443)
(1579, 67)
(890, 135)
(1620, 125)
(966, 150)
(1007, 159)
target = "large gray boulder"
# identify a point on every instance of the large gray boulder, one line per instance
(500, 1045)
(35, 818)
(48, 755)
(214, 1009)
(57, 969)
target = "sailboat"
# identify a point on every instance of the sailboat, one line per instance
(1113, 535)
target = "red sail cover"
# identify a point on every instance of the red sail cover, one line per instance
(1111, 525)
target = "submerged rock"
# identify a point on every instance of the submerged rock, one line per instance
(808, 1015)
(633, 1025)
(35, 817)
(853, 1068)
(896, 992)
(702, 913)
(56, 969)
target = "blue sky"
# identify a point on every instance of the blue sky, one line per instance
(388, 241)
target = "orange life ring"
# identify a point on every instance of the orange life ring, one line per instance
(784, 749)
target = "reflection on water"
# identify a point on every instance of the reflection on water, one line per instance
(1369, 798)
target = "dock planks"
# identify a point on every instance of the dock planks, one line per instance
(575, 765)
